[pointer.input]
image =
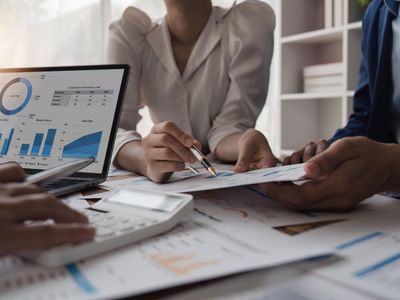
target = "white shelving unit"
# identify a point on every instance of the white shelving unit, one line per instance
(304, 42)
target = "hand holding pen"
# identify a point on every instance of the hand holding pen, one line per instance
(166, 150)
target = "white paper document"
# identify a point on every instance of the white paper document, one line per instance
(283, 283)
(371, 259)
(230, 231)
(186, 181)
(223, 235)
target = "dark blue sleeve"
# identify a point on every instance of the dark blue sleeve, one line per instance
(358, 121)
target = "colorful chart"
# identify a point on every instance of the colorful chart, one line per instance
(7, 97)
(85, 146)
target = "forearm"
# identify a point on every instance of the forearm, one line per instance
(228, 148)
(393, 163)
(131, 157)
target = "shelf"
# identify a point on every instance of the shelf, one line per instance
(355, 25)
(310, 96)
(315, 37)
(305, 41)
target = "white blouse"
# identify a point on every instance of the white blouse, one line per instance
(225, 83)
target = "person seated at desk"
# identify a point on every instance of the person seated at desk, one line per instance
(203, 72)
(20, 202)
(353, 169)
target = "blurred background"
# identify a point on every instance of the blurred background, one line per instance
(70, 32)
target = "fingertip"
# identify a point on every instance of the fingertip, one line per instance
(83, 219)
(76, 216)
(189, 142)
(239, 169)
(85, 233)
(312, 170)
(89, 231)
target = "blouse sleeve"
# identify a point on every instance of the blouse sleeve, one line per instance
(126, 41)
(248, 39)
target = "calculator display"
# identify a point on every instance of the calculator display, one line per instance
(146, 200)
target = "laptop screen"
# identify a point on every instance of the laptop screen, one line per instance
(49, 116)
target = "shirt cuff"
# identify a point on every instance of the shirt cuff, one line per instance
(122, 139)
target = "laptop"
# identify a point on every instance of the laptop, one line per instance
(52, 115)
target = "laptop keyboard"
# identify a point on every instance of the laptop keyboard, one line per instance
(61, 184)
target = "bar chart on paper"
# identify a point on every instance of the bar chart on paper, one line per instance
(372, 263)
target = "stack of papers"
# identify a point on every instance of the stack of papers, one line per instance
(231, 230)
(186, 181)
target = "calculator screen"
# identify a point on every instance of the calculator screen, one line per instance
(146, 200)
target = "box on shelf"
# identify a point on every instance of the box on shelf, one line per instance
(326, 78)
(323, 80)
(324, 70)
(328, 89)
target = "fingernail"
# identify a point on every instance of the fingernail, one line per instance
(239, 168)
(188, 142)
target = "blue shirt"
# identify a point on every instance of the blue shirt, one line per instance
(396, 78)
(373, 99)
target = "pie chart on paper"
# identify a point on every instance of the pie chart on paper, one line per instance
(15, 96)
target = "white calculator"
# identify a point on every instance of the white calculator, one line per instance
(123, 217)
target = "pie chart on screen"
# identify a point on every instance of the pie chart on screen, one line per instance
(15, 96)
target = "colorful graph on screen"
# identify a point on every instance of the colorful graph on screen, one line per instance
(85, 146)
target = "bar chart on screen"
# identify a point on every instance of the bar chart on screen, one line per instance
(6, 141)
(36, 143)
(40, 141)
(55, 116)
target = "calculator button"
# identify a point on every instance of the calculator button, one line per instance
(110, 218)
(104, 232)
(110, 223)
(140, 224)
(124, 227)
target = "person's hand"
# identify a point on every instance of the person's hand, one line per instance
(20, 203)
(348, 172)
(11, 172)
(166, 151)
(304, 154)
(254, 152)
